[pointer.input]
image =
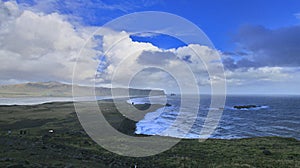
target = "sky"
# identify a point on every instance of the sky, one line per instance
(258, 43)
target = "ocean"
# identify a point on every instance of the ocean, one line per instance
(273, 116)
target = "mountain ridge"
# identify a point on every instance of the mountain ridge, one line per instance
(57, 89)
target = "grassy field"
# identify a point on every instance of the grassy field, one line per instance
(70, 146)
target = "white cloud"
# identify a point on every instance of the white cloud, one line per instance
(257, 75)
(36, 46)
(40, 47)
(126, 57)
(264, 80)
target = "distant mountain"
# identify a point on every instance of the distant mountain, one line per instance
(56, 89)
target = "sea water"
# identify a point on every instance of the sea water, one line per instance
(273, 116)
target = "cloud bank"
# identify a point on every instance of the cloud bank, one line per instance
(37, 46)
(264, 57)
(43, 46)
(267, 47)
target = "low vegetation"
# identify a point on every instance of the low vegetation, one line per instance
(69, 146)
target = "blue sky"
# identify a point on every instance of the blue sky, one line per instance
(220, 20)
(258, 40)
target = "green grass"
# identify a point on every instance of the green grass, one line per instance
(71, 146)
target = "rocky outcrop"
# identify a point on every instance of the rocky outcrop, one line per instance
(245, 106)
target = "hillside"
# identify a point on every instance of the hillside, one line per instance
(56, 89)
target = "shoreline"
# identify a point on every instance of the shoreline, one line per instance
(129, 126)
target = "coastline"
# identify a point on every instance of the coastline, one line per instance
(107, 108)
(69, 145)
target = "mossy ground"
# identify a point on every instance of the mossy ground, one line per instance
(70, 146)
